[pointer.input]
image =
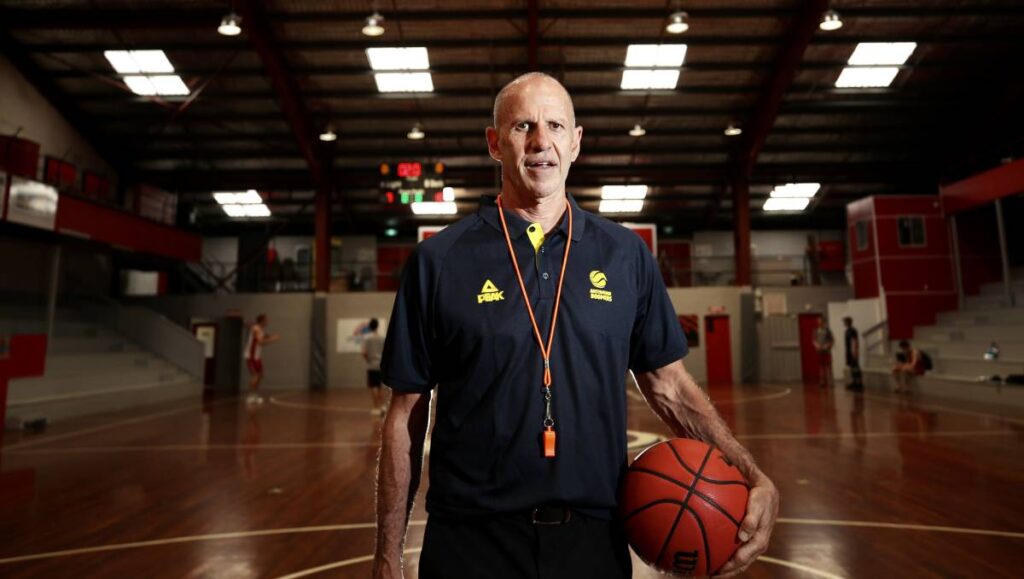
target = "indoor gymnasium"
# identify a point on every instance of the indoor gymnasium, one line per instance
(573, 289)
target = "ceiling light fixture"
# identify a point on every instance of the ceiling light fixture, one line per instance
(621, 206)
(831, 21)
(374, 25)
(637, 131)
(230, 25)
(677, 23)
(433, 208)
(328, 135)
(804, 190)
(732, 130)
(786, 203)
(416, 134)
(636, 192)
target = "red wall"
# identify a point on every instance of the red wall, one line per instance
(978, 238)
(864, 261)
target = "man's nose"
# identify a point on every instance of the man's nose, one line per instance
(540, 139)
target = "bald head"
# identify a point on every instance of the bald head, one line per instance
(523, 81)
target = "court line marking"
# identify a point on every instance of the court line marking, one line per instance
(800, 567)
(780, 394)
(974, 413)
(636, 445)
(337, 564)
(355, 526)
(91, 430)
(278, 402)
(901, 526)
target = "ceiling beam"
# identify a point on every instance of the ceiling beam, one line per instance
(955, 38)
(90, 18)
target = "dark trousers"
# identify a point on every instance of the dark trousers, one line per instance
(512, 547)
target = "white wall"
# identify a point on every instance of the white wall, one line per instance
(26, 112)
(775, 255)
(865, 314)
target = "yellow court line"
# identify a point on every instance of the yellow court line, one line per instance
(901, 526)
(338, 564)
(799, 567)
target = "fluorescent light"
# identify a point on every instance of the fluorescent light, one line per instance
(655, 55)
(230, 25)
(250, 197)
(414, 58)
(881, 53)
(169, 85)
(448, 194)
(404, 82)
(646, 79)
(260, 210)
(624, 192)
(140, 85)
(621, 206)
(234, 210)
(637, 131)
(677, 23)
(374, 25)
(830, 21)
(867, 76)
(786, 203)
(433, 207)
(138, 61)
(805, 190)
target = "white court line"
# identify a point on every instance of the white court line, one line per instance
(195, 539)
(901, 526)
(974, 413)
(336, 565)
(780, 394)
(277, 402)
(799, 567)
(354, 526)
(895, 434)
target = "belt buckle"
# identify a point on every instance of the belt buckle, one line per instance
(566, 518)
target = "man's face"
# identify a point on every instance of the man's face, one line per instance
(535, 140)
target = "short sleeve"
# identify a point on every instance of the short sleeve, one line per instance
(406, 361)
(657, 338)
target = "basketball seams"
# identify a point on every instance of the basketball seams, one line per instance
(704, 538)
(686, 499)
(698, 473)
(650, 505)
(714, 504)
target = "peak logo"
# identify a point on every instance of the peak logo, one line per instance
(489, 293)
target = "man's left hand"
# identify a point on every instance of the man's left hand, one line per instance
(756, 528)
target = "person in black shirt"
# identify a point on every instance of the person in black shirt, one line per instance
(852, 340)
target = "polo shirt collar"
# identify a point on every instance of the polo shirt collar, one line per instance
(517, 225)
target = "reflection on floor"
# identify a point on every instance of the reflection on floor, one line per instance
(872, 486)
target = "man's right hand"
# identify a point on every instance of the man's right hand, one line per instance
(387, 569)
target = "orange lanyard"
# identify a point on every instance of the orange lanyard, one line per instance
(549, 421)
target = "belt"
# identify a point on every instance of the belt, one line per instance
(551, 515)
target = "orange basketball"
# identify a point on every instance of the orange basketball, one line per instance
(682, 503)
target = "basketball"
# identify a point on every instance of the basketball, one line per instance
(682, 503)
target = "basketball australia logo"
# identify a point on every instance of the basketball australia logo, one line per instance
(598, 279)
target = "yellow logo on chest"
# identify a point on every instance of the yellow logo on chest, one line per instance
(599, 281)
(489, 293)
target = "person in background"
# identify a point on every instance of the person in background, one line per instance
(258, 336)
(373, 347)
(823, 342)
(909, 363)
(851, 339)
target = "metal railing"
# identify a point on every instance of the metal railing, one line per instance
(876, 338)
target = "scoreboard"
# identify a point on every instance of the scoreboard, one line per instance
(412, 182)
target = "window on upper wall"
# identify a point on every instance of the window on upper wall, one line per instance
(862, 235)
(911, 231)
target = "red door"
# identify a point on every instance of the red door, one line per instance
(808, 354)
(718, 345)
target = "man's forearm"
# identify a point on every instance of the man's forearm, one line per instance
(677, 399)
(398, 476)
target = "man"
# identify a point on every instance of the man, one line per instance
(529, 440)
(851, 340)
(258, 337)
(909, 363)
(823, 342)
(373, 347)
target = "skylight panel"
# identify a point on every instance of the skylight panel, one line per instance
(655, 55)
(867, 77)
(139, 61)
(649, 79)
(433, 207)
(881, 53)
(412, 58)
(786, 203)
(169, 85)
(624, 192)
(621, 206)
(806, 190)
(404, 82)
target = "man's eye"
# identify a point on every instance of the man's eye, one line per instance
(523, 126)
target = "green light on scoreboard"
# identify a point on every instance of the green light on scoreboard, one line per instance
(405, 198)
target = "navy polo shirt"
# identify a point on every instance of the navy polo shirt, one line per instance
(459, 323)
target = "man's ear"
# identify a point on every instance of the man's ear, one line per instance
(492, 143)
(577, 139)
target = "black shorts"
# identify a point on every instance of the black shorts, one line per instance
(373, 378)
(511, 547)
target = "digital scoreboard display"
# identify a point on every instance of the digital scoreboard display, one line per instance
(410, 182)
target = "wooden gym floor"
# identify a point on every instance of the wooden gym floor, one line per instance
(872, 486)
